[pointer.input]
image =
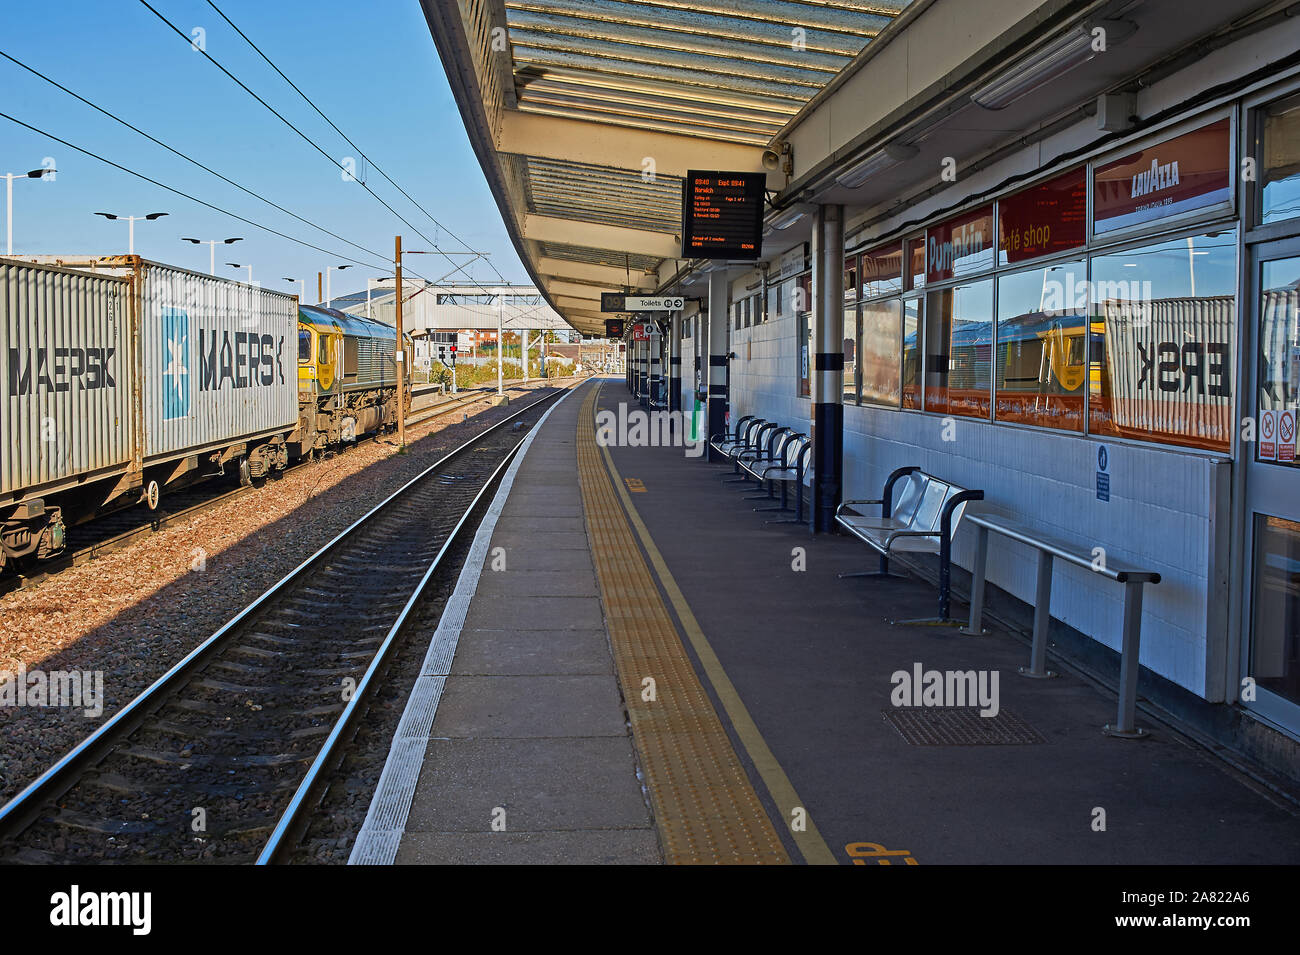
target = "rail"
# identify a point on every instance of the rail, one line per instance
(19, 812)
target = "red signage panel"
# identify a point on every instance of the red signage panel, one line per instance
(1182, 174)
(959, 246)
(882, 270)
(1049, 217)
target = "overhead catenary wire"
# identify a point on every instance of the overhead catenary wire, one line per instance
(305, 138)
(182, 193)
(187, 158)
(346, 138)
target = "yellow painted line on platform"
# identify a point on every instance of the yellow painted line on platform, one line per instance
(706, 810)
(806, 835)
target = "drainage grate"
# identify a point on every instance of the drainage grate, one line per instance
(941, 726)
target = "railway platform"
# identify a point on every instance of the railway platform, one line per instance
(635, 668)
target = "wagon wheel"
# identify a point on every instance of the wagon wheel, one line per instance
(152, 494)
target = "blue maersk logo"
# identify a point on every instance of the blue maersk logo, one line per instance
(176, 371)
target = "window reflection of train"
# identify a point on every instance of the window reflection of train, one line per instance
(125, 379)
(1160, 367)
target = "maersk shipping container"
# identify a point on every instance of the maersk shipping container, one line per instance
(219, 357)
(1171, 364)
(65, 339)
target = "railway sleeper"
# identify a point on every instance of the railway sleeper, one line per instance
(219, 686)
(216, 760)
(117, 783)
(205, 733)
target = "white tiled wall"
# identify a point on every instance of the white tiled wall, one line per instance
(1161, 513)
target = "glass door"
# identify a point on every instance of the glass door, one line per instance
(1271, 650)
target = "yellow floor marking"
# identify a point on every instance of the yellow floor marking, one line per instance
(706, 809)
(635, 485)
(860, 852)
(809, 840)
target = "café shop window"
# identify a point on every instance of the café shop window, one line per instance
(1278, 131)
(1163, 341)
(1042, 345)
(1070, 342)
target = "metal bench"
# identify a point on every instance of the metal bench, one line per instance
(786, 469)
(658, 394)
(751, 443)
(764, 452)
(1049, 549)
(928, 513)
(724, 443)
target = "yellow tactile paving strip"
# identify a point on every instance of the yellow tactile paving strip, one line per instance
(706, 810)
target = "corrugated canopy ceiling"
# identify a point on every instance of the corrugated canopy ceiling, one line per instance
(606, 103)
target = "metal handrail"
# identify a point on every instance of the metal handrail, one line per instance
(1049, 549)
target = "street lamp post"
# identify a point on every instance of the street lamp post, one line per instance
(212, 249)
(131, 221)
(302, 288)
(9, 201)
(329, 296)
(236, 265)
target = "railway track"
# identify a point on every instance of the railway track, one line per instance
(117, 529)
(218, 760)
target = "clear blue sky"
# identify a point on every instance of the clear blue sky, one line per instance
(370, 66)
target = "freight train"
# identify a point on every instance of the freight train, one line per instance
(124, 378)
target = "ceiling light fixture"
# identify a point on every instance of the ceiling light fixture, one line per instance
(790, 216)
(1053, 59)
(890, 156)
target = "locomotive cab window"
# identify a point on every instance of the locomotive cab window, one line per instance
(324, 356)
(304, 345)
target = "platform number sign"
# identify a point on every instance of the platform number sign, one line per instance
(1103, 476)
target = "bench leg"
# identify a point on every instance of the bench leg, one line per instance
(1042, 619)
(975, 626)
(945, 593)
(798, 516)
(1124, 727)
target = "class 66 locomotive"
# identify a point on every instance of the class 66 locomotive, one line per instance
(347, 377)
(125, 379)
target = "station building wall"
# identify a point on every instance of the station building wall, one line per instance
(1170, 508)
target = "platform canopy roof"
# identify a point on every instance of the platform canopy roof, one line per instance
(585, 115)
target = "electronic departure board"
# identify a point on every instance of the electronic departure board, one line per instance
(722, 215)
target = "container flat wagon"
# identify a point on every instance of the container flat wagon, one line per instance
(140, 376)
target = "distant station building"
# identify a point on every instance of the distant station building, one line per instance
(467, 314)
(1050, 250)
